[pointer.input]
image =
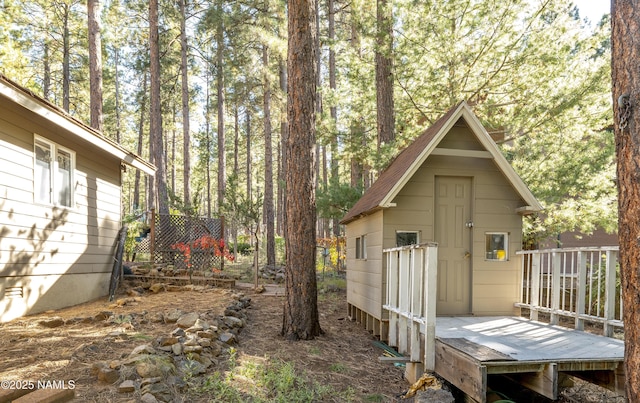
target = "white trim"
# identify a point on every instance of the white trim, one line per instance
(452, 152)
(485, 139)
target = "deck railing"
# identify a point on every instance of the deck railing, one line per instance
(411, 300)
(582, 284)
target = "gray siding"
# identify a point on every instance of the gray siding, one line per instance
(495, 285)
(364, 276)
(57, 256)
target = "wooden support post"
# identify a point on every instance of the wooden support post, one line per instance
(544, 382)
(610, 292)
(582, 290)
(462, 371)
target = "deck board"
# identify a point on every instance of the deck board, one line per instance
(526, 340)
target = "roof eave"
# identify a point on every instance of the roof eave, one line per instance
(56, 117)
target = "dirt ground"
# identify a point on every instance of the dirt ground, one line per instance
(344, 358)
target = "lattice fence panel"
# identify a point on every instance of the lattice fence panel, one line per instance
(171, 230)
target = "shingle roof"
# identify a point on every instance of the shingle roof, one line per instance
(405, 163)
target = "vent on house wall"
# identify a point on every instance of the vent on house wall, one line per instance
(13, 292)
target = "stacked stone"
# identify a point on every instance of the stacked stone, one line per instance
(160, 368)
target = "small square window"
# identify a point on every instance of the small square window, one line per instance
(361, 247)
(496, 246)
(404, 238)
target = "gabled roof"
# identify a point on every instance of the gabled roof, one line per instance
(401, 169)
(58, 117)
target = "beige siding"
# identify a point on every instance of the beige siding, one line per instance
(364, 276)
(58, 256)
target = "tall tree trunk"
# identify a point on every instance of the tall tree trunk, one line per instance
(143, 107)
(236, 139)
(300, 318)
(95, 64)
(625, 66)
(155, 113)
(384, 71)
(66, 60)
(116, 61)
(207, 129)
(284, 130)
(46, 85)
(248, 166)
(335, 173)
(186, 137)
(268, 162)
(222, 174)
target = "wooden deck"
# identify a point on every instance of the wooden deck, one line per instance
(536, 354)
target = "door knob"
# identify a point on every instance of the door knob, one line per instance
(469, 224)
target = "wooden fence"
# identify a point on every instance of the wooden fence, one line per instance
(582, 284)
(411, 300)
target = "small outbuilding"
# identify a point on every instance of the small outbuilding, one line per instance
(452, 186)
(60, 205)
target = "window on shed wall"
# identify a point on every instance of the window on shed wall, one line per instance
(361, 247)
(404, 238)
(53, 173)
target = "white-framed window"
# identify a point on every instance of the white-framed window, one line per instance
(404, 238)
(496, 246)
(53, 172)
(361, 247)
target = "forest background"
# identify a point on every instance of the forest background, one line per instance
(536, 73)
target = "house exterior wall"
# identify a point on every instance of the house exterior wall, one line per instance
(364, 276)
(53, 257)
(495, 284)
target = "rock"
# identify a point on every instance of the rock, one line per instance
(148, 398)
(156, 287)
(178, 332)
(177, 349)
(434, 396)
(191, 341)
(127, 386)
(206, 334)
(187, 320)
(104, 315)
(156, 317)
(148, 381)
(172, 316)
(198, 326)
(192, 349)
(204, 342)
(52, 322)
(159, 390)
(143, 349)
(227, 337)
(148, 369)
(167, 341)
(233, 322)
(108, 375)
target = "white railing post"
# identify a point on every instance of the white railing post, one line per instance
(535, 286)
(610, 292)
(582, 290)
(430, 289)
(403, 299)
(392, 295)
(417, 268)
(555, 287)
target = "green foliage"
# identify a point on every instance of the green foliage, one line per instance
(334, 201)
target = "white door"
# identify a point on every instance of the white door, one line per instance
(452, 213)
